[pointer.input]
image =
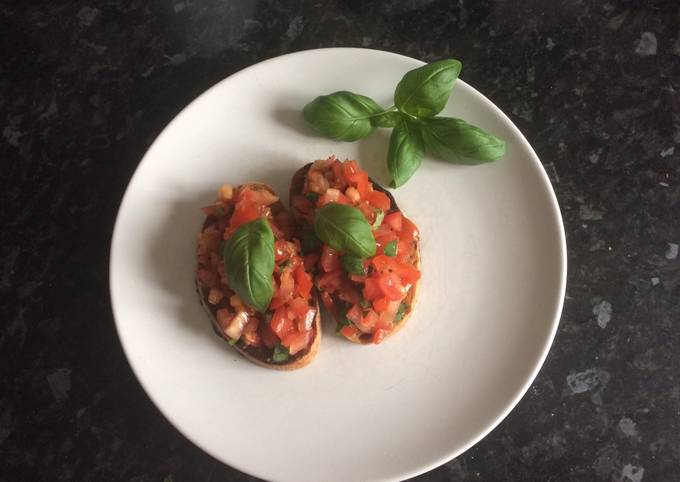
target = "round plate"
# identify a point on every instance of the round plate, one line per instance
(494, 264)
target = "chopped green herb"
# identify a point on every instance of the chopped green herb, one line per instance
(352, 264)
(285, 264)
(233, 341)
(391, 248)
(281, 353)
(379, 216)
(400, 312)
(343, 322)
(312, 196)
(364, 303)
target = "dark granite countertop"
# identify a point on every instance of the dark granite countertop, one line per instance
(594, 86)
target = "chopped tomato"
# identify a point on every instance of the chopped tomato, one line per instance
(378, 336)
(338, 174)
(391, 286)
(387, 265)
(408, 273)
(244, 213)
(354, 314)
(298, 307)
(409, 231)
(367, 211)
(349, 331)
(332, 195)
(330, 259)
(404, 252)
(379, 200)
(303, 282)
(281, 324)
(380, 304)
(296, 341)
(286, 286)
(371, 289)
(367, 321)
(354, 175)
(281, 250)
(393, 220)
(330, 281)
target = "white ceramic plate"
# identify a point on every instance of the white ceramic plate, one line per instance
(494, 267)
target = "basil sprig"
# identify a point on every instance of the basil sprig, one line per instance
(352, 264)
(249, 263)
(344, 228)
(420, 95)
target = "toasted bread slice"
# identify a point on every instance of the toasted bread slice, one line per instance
(261, 355)
(297, 188)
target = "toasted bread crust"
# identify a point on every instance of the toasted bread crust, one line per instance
(297, 187)
(257, 355)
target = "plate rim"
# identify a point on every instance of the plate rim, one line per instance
(554, 208)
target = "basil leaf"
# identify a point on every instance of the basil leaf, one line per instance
(343, 115)
(345, 229)
(386, 119)
(401, 312)
(423, 92)
(391, 249)
(352, 264)
(281, 353)
(406, 152)
(454, 140)
(379, 216)
(249, 263)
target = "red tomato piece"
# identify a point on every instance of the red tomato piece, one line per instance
(330, 259)
(391, 286)
(295, 341)
(333, 195)
(330, 281)
(303, 282)
(286, 285)
(379, 200)
(354, 314)
(243, 213)
(408, 273)
(281, 324)
(298, 307)
(380, 304)
(371, 289)
(367, 321)
(349, 331)
(409, 231)
(393, 220)
(378, 336)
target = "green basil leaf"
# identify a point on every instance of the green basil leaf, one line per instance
(345, 229)
(379, 216)
(400, 312)
(249, 263)
(281, 353)
(423, 92)
(454, 140)
(391, 249)
(386, 119)
(406, 152)
(352, 264)
(343, 115)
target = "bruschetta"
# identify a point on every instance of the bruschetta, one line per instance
(284, 333)
(371, 300)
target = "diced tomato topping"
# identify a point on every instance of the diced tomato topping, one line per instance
(349, 331)
(380, 304)
(367, 211)
(354, 175)
(332, 196)
(286, 286)
(391, 286)
(303, 282)
(244, 213)
(330, 259)
(367, 321)
(281, 324)
(296, 341)
(408, 273)
(354, 314)
(338, 174)
(379, 200)
(298, 307)
(330, 281)
(409, 231)
(378, 336)
(393, 220)
(372, 289)
(281, 250)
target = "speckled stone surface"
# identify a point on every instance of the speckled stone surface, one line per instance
(595, 87)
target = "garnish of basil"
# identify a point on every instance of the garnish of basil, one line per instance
(391, 249)
(344, 228)
(406, 151)
(344, 116)
(401, 312)
(454, 140)
(352, 264)
(249, 263)
(281, 353)
(423, 92)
